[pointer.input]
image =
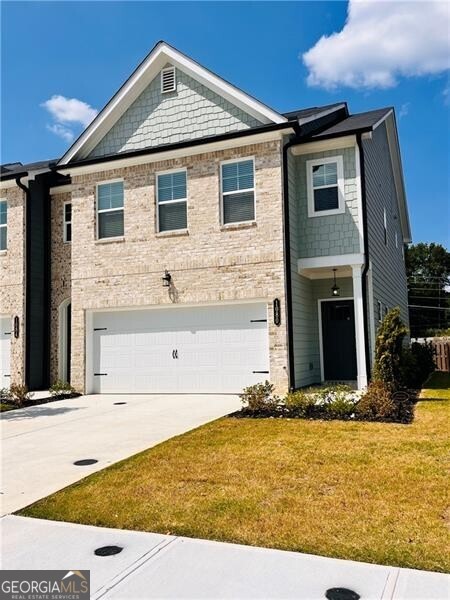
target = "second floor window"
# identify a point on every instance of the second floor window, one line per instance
(238, 191)
(110, 209)
(67, 221)
(325, 186)
(3, 224)
(171, 196)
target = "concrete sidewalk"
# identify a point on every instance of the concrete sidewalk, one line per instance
(40, 444)
(161, 566)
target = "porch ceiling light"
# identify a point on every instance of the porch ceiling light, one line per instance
(166, 279)
(335, 290)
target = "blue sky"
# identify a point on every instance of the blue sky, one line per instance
(85, 50)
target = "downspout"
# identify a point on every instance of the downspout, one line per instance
(26, 191)
(287, 262)
(366, 252)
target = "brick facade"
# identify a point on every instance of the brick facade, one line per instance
(209, 264)
(12, 278)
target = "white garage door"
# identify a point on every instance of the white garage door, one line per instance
(5, 350)
(181, 350)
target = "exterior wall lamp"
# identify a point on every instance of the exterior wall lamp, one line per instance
(335, 290)
(166, 279)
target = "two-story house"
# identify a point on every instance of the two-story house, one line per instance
(194, 240)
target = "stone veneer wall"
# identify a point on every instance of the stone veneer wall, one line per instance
(12, 278)
(60, 276)
(209, 264)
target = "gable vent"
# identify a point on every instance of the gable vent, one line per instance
(168, 80)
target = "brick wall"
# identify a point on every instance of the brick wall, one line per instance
(209, 264)
(12, 278)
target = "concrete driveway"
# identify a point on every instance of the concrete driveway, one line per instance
(40, 444)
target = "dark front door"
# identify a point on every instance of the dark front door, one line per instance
(338, 340)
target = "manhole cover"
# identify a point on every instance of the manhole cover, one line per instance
(108, 550)
(117, 403)
(341, 594)
(85, 461)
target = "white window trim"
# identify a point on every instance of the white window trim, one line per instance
(65, 223)
(168, 172)
(340, 185)
(105, 210)
(385, 232)
(5, 226)
(253, 189)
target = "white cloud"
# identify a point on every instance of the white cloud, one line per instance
(381, 41)
(404, 109)
(61, 131)
(68, 110)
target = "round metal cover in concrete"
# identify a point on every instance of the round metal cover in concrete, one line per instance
(341, 594)
(85, 461)
(108, 550)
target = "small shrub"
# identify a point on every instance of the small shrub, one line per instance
(388, 350)
(340, 408)
(5, 395)
(19, 394)
(259, 399)
(377, 403)
(62, 389)
(300, 404)
(417, 364)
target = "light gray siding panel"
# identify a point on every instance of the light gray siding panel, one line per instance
(332, 234)
(387, 263)
(192, 112)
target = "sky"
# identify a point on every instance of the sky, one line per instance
(62, 61)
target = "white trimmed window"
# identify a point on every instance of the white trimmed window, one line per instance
(380, 311)
(385, 227)
(110, 209)
(67, 222)
(171, 198)
(3, 224)
(325, 185)
(238, 191)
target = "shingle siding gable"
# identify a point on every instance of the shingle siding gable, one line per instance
(193, 111)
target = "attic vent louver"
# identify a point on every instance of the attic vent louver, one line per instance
(168, 80)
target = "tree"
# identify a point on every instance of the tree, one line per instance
(388, 350)
(428, 271)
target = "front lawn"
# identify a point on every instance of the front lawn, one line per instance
(373, 492)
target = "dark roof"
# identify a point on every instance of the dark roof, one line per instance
(11, 170)
(358, 122)
(303, 113)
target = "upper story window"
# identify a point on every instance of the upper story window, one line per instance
(238, 191)
(110, 209)
(3, 224)
(171, 196)
(67, 223)
(325, 185)
(385, 227)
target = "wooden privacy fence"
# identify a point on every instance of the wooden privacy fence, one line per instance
(441, 352)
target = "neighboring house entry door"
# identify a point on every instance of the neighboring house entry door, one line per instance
(5, 345)
(338, 340)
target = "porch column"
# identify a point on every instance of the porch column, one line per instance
(359, 326)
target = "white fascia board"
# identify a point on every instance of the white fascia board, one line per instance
(337, 143)
(168, 154)
(339, 260)
(61, 189)
(383, 119)
(136, 84)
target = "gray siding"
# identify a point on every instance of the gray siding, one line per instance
(332, 234)
(192, 112)
(387, 263)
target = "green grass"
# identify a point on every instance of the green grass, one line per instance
(373, 492)
(437, 386)
(5, 407)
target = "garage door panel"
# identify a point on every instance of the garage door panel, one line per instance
(181, 350)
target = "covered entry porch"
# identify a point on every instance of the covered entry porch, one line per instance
(336, 311)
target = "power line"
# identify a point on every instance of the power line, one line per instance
(427, 307)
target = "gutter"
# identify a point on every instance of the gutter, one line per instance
(26, 190)
(366, 252)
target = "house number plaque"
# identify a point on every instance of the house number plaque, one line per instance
(277, 312)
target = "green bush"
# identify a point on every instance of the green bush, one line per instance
(417, 364)
(19, 394)
(377, 403)
(259, 399)
(388, 350)
(62, 389)
(300, 404)
(340, 408)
